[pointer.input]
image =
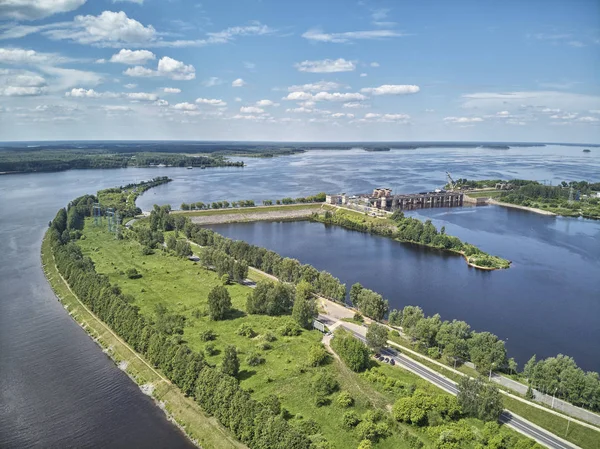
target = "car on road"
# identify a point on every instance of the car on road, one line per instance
(387, 360)
(377, 356)
(392, 362)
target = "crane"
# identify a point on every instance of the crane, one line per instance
(451, 182)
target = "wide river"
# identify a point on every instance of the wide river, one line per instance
(57, 388)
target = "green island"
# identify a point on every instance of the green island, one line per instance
(26, 160)
(411, 230)
(569, 199)
(237, 366)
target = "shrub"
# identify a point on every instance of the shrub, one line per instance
(353, 352)
(290, 329)
(358, 317)
(209, 349)
(321, 400)
(324, 383)
(434, 353)
(246, 331)
(255, 359)
(225, 279)
(146, 251)
(365, 444)
(264, 346)
(350, 419)
(132, 273)
(207, 335)
(317, 355)
(268, 336)
(344, 399)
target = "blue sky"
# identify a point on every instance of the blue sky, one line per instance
(310, 70)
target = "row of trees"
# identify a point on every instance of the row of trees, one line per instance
(368, 302)
(453, 339)
(560, 375)
(218, 393)
(318, 198)
(352, 351)
(222, 263)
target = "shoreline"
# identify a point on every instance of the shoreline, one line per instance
(200, 429)
(526, 208)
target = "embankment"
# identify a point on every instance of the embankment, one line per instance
(264, 213)
(516, 206)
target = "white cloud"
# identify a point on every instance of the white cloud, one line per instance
(249, 65)
(83, 93)
(116, 108)
(342, 115)
(530, 99)
(550, 111)
(392, 89)
(503, 114)
(238, 99)
(226, 35)
(141, 96)
(386, 118)
(354, 105)
(362, 75)
(109, 29)
(21, 78)
(161, 102)
(577, 44)
(100, 61)
(21, 91)
(566, 116)
(588, 119)
(185, 107)
(67, 78)
(326, 66)
(429, 110)
(167, 67)
(238, 83)
(266, 103)
(337, 96)
(212, 81)
(171, 90)
(211, 102)
(133, 57)
(463, 119)
(36, 9)
(139, 2)
(28, 57)
(374, 64)
(320, 86)
(319, 36)
(251, 110)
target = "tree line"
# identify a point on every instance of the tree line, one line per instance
(318, 198)
(217, 393)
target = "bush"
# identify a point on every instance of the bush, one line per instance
(290, 329)
(358, 317)
(255, 359)
(132, 273)
(350, 419)
(322, 400)
(264, 346)
(353, 352)
(207, 335)
(344, 399)
(209, 349)
(246, 331)
(225, 279)
(324, 383)
(268, 336)
(365, 444)
(317, 355)
(146, 251)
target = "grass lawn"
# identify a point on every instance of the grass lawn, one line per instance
(248, 210)
(183, 287)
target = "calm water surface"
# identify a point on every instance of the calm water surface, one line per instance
(57, 388)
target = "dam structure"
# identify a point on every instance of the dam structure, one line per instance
(383, 199)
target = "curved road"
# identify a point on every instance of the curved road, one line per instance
(523, 426)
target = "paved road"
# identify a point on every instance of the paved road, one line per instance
(523, 426)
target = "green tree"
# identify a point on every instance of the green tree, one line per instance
(487, 352)
(353, 352)
(512, 365)
(377, 336)
(395, 317)
(231, 363)
(354, 292)
(305, 309)
(317, 355)
(219, 303)
(479, 399)
(365, 444)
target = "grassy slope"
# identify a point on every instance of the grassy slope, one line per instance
(183, 287)
(249, 210)
(200, 427)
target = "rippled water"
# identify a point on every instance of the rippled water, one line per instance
(57, 388)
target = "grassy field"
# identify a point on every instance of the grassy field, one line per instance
(247, 210)
(200, 427)
(183, 287)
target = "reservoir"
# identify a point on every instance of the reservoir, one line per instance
(58, 389)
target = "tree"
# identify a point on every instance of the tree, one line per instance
(219, 303)
(486, 351)
(479, 399)
(395, 317)
(317, 355)
(365, 444)
(377, 336)
(411, 315)
(354, 292)
(305, 309)
(372, 304)
(512, 365)
(353, 352)
(231, 363)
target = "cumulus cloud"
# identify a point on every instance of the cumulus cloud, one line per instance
(83, 93)
(588, 119)
(133, 57)
(141, 96)
(374, 64)
(342, 115)
(325, 96)
(36, 9)
(326, 66)
(185, 107)
(139, 2)
(266, 103)
(392, 89)
(238, 83)
(566, 116)
(320, 86)
(212, 81)
(211, 102)
(354, 105)
(108, 29)
(463, 119)
(317, 35)
(67, 78)
(362, 75)
(251, 110)
(167, 67)
(171, 90)
(21, 91)
(385, 118)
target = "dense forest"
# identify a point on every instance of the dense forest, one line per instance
(35, 160)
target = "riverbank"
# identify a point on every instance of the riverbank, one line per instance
(249, 214)
(201, 429)
(516, 206)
